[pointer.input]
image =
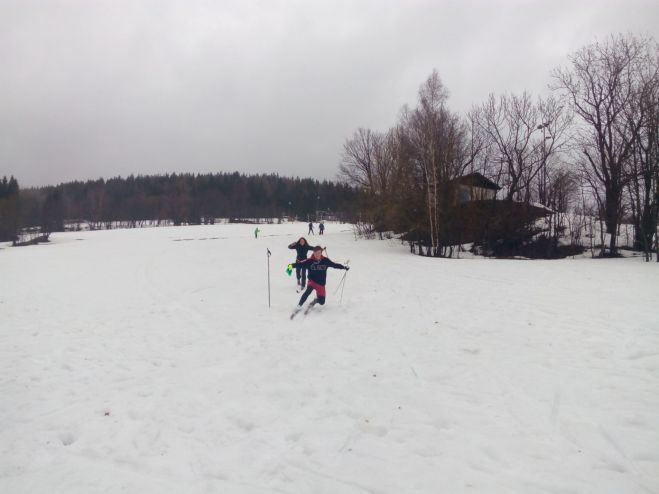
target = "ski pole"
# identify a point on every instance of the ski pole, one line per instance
(344, 284)
(342, 287)
(269, 254)
(343, 278)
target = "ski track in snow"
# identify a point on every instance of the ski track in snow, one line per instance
(135, 361)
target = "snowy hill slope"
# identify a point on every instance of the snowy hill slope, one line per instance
(148, 361)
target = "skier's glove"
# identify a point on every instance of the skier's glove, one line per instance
(347, 268)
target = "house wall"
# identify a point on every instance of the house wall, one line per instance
(469, 193)
(481, 193)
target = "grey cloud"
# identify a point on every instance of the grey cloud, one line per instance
(91, 89)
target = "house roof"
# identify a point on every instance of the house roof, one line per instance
(477, 180)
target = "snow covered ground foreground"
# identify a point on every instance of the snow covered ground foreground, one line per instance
(147, 361)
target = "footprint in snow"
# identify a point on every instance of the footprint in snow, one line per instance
(67, 438)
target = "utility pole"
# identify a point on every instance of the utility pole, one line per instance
(543, 175)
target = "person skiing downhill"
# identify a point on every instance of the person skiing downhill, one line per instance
(321, 228)
(302, 248)
(310, 232)
(317, 266)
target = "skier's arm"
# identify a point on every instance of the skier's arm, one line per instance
(336, 265)
(300, 264)
(293, 245)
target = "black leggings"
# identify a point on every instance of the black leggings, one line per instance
(301, 273)
(319, 300)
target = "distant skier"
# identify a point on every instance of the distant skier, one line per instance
(256, 232)
(321, 228)
(302, 249)
(310, 229)
(317, 266)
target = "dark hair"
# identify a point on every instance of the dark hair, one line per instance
(305, 241)
(317, 248)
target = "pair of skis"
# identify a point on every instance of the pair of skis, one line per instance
(298, 309)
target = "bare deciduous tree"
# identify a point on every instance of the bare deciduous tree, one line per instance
(357, 159)
(644, 161)
(522, 136)
(600, 85)
(436, 143)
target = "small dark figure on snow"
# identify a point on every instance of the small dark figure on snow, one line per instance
(317, 266)
(302, 248)
(310, 229)
(321, 228)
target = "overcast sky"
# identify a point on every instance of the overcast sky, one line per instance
(94, 88)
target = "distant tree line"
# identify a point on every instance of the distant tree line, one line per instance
(9, 209)
(177, 198)
(591, 148)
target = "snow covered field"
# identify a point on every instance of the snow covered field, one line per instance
(147, 361)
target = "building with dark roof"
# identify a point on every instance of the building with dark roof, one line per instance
(474, 187)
